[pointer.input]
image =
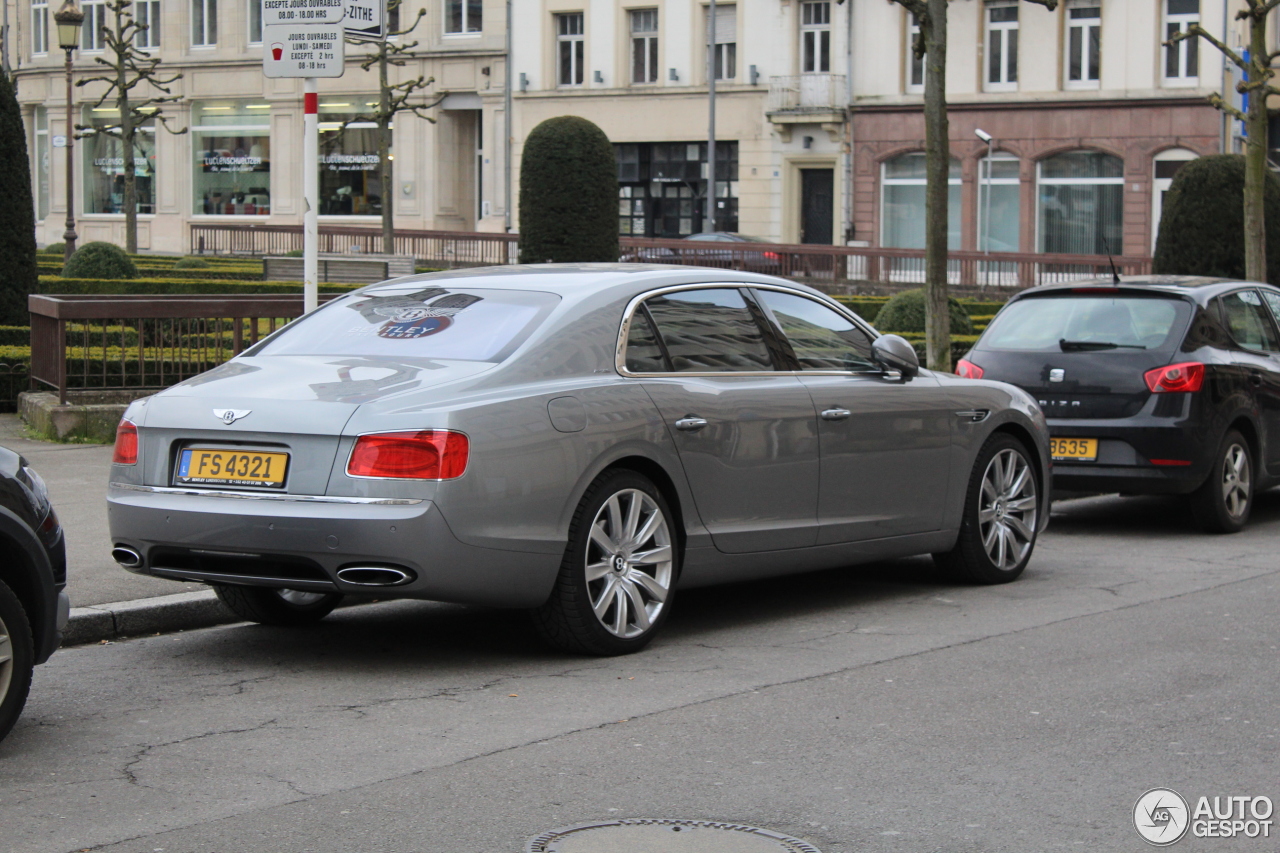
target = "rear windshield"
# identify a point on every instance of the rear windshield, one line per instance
(1075, 322)
(417, 320)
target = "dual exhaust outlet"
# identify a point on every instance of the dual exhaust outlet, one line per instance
(370, 576)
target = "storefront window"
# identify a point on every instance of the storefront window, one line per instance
(998, 177)
(232, 169)
(105, 165)
(902, 209)
(42, 162)
(350, 174)
(1081, 200)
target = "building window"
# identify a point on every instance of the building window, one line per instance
(662, 188)
(569, 49)
(1181, 60)
(1167, 163)
(902, 203)
(105, 164)
(644, 46)
(147, 14)
(462, 17)
(204, 23)
(725, 49)
(42, 162)
(39, 26)
(915, 64)
(1081, 204)
(815, 36)
(95, 20)
(350, 169)
(255, 21)
(231, 142)
(1002, 45)
(1084, 43)
(999, 203)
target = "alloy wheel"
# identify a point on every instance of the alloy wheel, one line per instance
(1236, 480)
(6, 660)
(629, 563)
(1007, 509)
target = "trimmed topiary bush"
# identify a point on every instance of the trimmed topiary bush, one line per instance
(17, 215)
(1202, 226)
(905, 313)
(54, 249)
(99, 260)
(192, 264)
(568, 194)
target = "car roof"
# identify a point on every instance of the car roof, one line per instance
(1199, 288)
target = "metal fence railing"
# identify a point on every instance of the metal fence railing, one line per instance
(807, 92)
(437, 248)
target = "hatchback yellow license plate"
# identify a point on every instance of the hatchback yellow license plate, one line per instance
(1073, 449)
(201, 466)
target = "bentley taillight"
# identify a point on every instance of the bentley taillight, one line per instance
(126, 450)
(433, 454)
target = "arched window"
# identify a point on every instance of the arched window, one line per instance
(1081, 204)
(1167, 164)
(999, 203)
(902, 203)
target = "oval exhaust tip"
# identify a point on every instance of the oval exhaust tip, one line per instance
(374, 575)
(126, 557)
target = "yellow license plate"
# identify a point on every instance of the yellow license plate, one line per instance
(1074, 449)
(229, 467)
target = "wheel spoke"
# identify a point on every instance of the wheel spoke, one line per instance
(989, 490)
(986, 515)
(6, 653)
(628, 536)
(1019, 482)
(660, 554)
(595, 571)
(1017, 526)
(1026, 504)
(651, 525)
(602, 539)
(656, 590)
(637, 605)
(988, 536)
(614, 510)
(1002, 544)
(619, 611)
(601, 605)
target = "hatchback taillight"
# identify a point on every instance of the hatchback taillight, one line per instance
(126, 452)
(1172, 378)
(966, 369)
(433, 454)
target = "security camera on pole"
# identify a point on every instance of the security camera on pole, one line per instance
(305, 38)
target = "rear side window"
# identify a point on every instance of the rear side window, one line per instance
(644, 353)
(1055, 323)
(820, 338)
(709, 331)
(417, 320)
(1247, 320)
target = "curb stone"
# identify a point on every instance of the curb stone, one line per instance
(176, 612)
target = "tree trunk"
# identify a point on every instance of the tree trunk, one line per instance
(384, 156)
(1255, 163)
(128, 130)
(937, 322)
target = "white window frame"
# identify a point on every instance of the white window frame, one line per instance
(39, 27)
(954, 179)
(253, 6)
(1005, 33)
(1159, 186)
(911, 64)
(147, 12)
(95, 18)
(984, 182)
(646, 41)
(576, 45)
(467, 31)
(204, 33)
(1187, 52)
(815, 36)
(1088, 31)
(725, 51)
(1041, 181)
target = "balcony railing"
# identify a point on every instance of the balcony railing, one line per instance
(807, 93)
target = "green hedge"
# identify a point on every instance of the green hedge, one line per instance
(15, 336)
(57, 284)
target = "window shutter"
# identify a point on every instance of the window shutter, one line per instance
(726, 24)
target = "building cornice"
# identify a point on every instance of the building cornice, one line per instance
(1064, 104)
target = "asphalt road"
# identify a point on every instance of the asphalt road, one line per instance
(871, 709)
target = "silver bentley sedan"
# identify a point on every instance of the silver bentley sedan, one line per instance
(578, 441)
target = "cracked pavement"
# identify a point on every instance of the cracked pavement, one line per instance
(876, 708)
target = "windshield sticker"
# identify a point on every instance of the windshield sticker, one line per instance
(412, 316)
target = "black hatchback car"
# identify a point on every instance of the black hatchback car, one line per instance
(33, 577)
(1152, 385)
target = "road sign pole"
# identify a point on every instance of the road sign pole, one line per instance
(311, 193)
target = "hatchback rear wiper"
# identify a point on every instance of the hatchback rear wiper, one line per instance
(1076, 346)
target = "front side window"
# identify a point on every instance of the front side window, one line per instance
(39, 26)
(231, 143)
(204, 23)
(95, 20)
(725, 49)
(462, 17)
(644, 46)
(709, 331)
(105, 164)
(1081, 201)
(1084, 44)
(1002, 45)
(350, 169)
(1248, 322)
(915, 64)
(902, 203)
(815, 36)
(255, 21)
(999, 203)
(820, 338)
(1181, 60)
(147, 14)
(570, 45)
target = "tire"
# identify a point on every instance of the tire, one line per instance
(287, 608)
(1001, 514)
(1222, 504)
(613, 594)
(17, 658)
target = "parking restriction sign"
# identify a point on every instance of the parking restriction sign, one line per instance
(303, 50)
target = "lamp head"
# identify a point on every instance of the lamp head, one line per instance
(983, 135)
(69, 19)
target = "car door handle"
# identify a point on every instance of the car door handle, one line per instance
(691, 422)
(977, 416)
(835, 413)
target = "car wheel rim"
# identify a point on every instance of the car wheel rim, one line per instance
(299, 598)
(1007, 509)
(1235, 481)
(6, 660)
(629, 563)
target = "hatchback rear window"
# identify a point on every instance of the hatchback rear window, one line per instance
(1070, 322)
(417, 320)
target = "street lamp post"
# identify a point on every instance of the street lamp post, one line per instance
(986, 206)
(69, 20)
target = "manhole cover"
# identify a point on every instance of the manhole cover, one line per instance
(653, 835)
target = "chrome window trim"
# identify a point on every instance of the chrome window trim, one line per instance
(624, 330)
(265, 496)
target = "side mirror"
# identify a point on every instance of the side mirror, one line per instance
(894, 353)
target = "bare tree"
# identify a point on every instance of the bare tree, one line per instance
(393, 99)
(1256, 76)
(931, 44)
(131, 68)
